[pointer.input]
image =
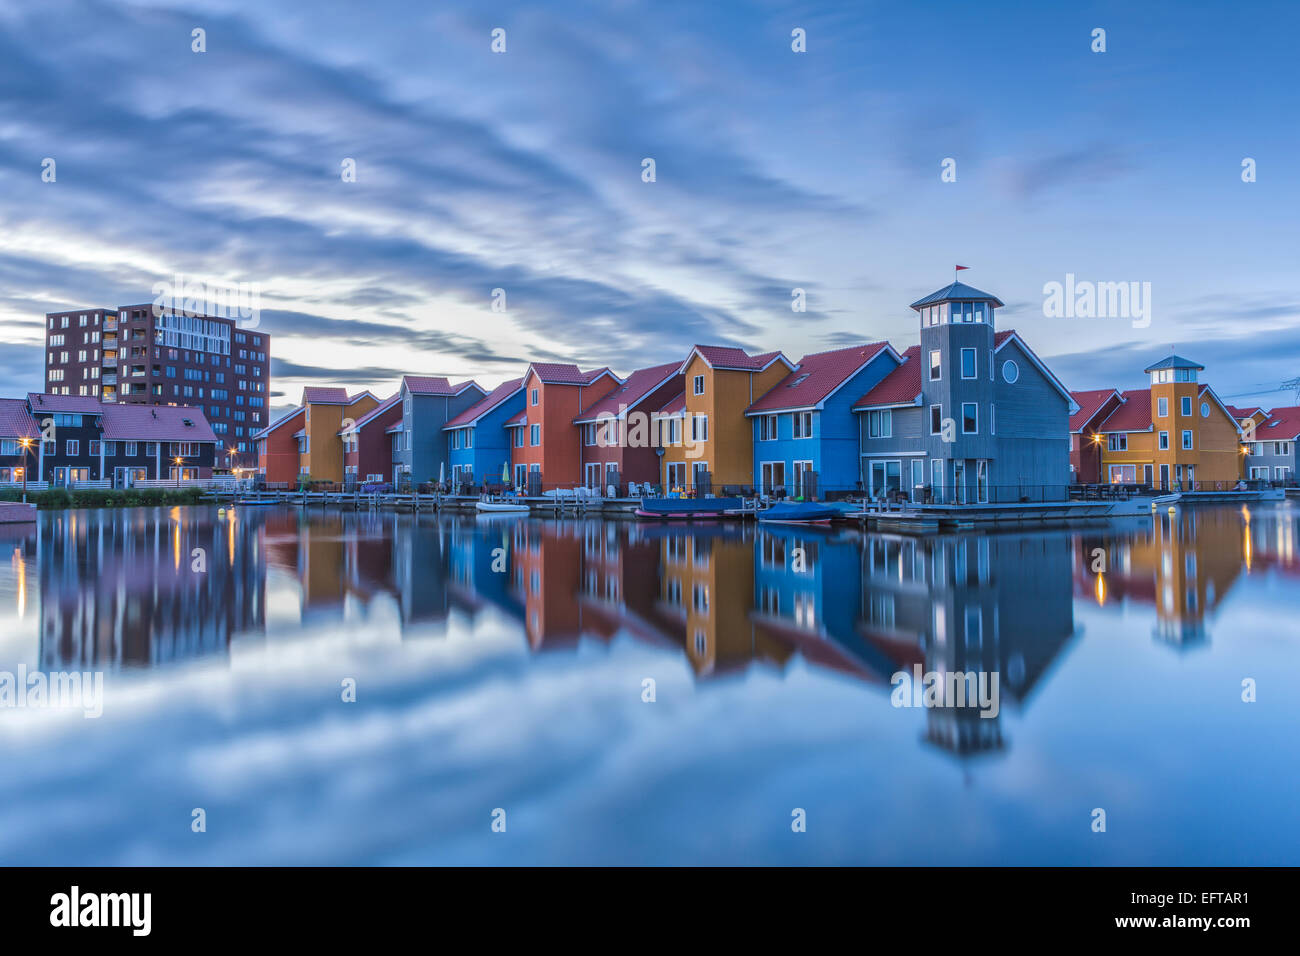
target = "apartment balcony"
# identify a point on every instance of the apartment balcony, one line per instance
(110, 325)
(108, 361)
(108, 395)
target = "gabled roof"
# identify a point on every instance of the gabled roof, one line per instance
(435, 385)
(727, 357)
(1134, 415)
(675, 405)
(1002, 338)
(817, 377)
(560, 373)
(1174, 361)
(642, 382)
(1283, 425)
(519, 421)
(371, 415)
(1090, 404)
(1206, 390)
(283, 420)
(1249, 411)
(43, 402)
(156, 423)
(959, 292)
(15, 422)
(902, 386)
(324, 395)
(485, 404)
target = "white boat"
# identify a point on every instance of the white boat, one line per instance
(501, 507)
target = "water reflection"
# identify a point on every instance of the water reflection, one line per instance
(143, 588)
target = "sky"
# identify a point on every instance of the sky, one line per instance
(774, 170)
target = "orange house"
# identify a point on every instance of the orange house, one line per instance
(1176, 434)
(326, 410)
(277, 449)
(546, 442)
(707, 440)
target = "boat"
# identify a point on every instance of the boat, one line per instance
(501, 507)
(690, 509)
(256, 501)
(799, 512)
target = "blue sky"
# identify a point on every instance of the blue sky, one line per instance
(775, 170)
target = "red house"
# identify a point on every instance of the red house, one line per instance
(277, 448)
(367, 445)
(554, 395)
(619, 439)
(1085, 442)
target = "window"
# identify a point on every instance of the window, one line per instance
(967, 363)
(532, 397)
(803, 427)
(699, 428)
(969, 418)
(93, 447)
(72, 447)
(935, 367)
(936, 419)
(455, 440)
(1205, 409)
(1010, 372)
(519, 438)
(767, 428)
(699, 385)
(1162, 407)
(880, 424)
(1117, 442)
(1164, 441)
(1187, 438)
(534, 435)
(589, 434)
(1186, 405)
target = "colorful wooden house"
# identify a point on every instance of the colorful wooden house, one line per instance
(367, 446)
(706, 442)
(805, 436)
(1176, 434)
(1095, 406)
(325, 412)
(428, 403)
(971, 416)
(478, 443)
(546, 453)
(278, 448)
(1271, 444)
(618, 432)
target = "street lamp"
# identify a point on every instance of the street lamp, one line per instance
(178, 461)
(26, 444)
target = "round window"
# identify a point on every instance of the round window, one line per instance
(1205, 409)
(1010, 371)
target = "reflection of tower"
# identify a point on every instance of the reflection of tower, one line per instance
(992, 604)
(147, 586)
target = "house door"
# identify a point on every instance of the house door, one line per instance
(982, 481)
(60, 476)
(521, 475)
(591, 474)
(1146, 475)
(675, 475)
(959, 480)
(1164, 477)
(1191, 477)
(772, 476)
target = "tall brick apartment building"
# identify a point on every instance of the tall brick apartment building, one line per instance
(131, 355)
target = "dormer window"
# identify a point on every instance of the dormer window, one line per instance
(797, 381)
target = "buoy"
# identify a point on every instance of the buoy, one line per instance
(221, 511)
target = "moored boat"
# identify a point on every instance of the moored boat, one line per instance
(501, 507)
(694, 509)
(799, 512)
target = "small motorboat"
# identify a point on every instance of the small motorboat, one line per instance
(799, 512)
(691, 509)
(501, 507)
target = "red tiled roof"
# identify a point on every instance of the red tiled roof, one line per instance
(484, 405)
(899, 387)
(728, 357)
(1000, 337)
(374, 413)
(815, 377)
(1089, 402)
(1133, 416)
(634, 388)
(41, 402)
(560, 373)
(156, 423)
(324, 395)
(1284, 424)
(674, 405)
(434, 385)
(518, 421)
(15, 422)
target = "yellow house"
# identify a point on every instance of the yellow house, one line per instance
(1176, 434)
(320, 449)
(707, 440)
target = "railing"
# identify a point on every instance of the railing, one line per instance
(18, 485)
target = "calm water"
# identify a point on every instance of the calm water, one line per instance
(500, 663)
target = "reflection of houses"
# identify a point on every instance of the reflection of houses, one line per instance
(1184, 565)
(123, 588)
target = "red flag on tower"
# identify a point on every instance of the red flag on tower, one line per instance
(959, 268)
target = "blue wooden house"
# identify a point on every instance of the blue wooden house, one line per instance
(971, 416)
(478, 442)
(805, 434)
